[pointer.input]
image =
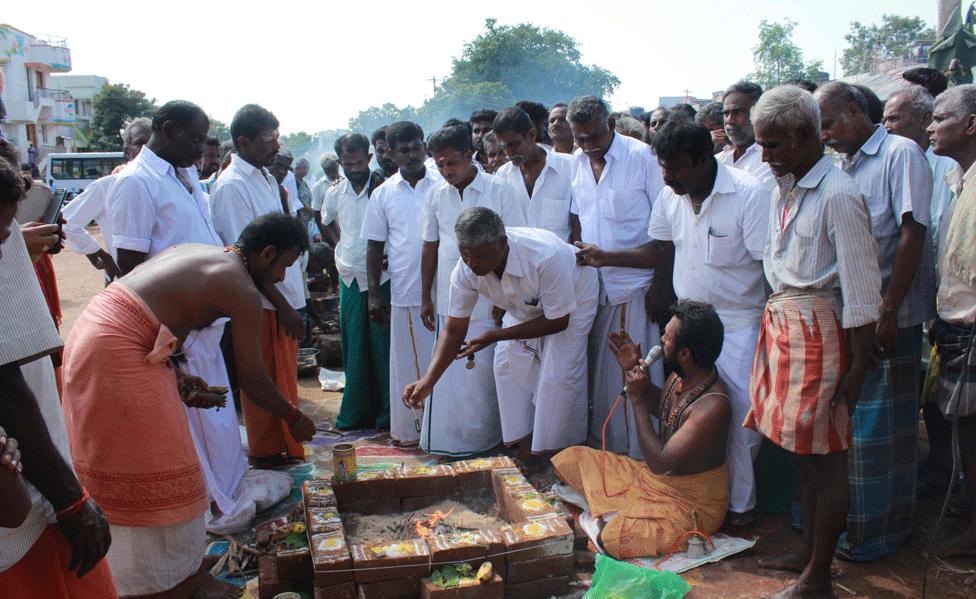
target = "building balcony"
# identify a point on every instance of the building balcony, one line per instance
(49, 53)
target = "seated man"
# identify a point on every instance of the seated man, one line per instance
(128, 432)
(645, 508)
(540, 359)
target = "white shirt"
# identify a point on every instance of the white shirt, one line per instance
(956, 296)
(241, 194)
(344, 205)
(393, 217)
(151, 210)
(87, 207)
(750, 162)
(318, 191)
(718, 252)
(291, 186)
(943, 168)
(539, 279)
(441, 210)
(615, 212)
(551, 203)
(895, 179)
(820, 238)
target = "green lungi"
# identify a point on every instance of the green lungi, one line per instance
(366, 357)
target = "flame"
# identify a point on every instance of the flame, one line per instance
(426, 528)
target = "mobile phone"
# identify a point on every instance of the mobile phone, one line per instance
(52, 216)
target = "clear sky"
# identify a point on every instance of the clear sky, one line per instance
(316, 64)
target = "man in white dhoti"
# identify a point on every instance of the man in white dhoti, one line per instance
(154, 204)
(540, 356)
(710, 223)
(461, 416)
(615, 183)
(392, 223)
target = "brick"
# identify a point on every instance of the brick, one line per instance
(269, 589)
(292, 563)
(472, 547)
(476, 474)
(403, 588)
(523, 506)
(346, 590)
(557, 566)
(321, 520)
(376, 562)
(416, 481)
(331, 560)
(539, 589)
(537, 539)
(370, 485)
(493, 589)
(319, 493)
(509, 479)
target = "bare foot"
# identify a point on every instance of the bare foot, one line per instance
(211, 588)
(794, 562)
(797, 590)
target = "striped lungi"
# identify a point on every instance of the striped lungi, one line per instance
(801, 358)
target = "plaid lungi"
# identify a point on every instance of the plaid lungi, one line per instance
(801, 357)
(957, 367)
(882, 463)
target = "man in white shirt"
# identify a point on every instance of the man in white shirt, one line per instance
(365, 342)
(155, 203)
(743, 153)
(896, 181)
(392, 225)
(711, 222)
(461, 415)
(87, 207)
(542, 180)
(243, 192)
(550, 302)
(615, 183)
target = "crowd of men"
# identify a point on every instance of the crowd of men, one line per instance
(791, 250)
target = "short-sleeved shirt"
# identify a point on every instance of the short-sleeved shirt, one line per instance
(943, 169)
(242, 193)
(551, 203)
(895, 179)
(614, 212)
(348, 208)
(152, 210)
(441, 210)
(750, 162)
(539, 279)
(319, 188)
(393, 217)
(718, 252)
(83, 209)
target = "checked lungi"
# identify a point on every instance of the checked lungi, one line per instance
(957, 359)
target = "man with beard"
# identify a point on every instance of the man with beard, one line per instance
(480, 122)
(494, 154)
(209, 163)
(387, 166)
(365, 342)
(244, 192)
(559, 131)
(743, 153)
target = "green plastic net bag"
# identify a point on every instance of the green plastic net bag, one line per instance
(614, 579)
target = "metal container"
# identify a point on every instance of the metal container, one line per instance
(344, 462)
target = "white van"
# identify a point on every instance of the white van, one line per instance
(73, 171)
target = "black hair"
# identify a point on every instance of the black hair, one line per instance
(701, 331)
(558, 105)
(403, 132)
(212, 141)
(931, 79)
(226, 148)
(806, 84)
(249, 121)
(279, 230)
(681, 136)
(684, 110)
(875, 105)
(457, 137)
(745, 87)
(482, 114)
(710, 113)
(378, 135)
(179, 112)
(535, 110)
(454, 122)
(512, 119)
(587, 109)
(11, 182)
(351, 142)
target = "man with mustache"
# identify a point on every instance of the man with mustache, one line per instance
(365, 341)
(743, 152)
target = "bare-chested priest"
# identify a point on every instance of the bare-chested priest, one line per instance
(127, 429)
(646, 507)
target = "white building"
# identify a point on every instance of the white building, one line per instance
(38, 112)
(83, 88)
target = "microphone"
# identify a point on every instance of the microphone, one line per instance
(653, 356)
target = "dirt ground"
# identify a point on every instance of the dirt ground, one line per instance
(898, 576)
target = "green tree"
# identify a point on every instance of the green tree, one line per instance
(374, 117)
(297, 143)
(219, 129)
(112, 108)
(777, 59)
(871, 44)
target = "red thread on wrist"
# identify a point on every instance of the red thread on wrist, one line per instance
(74, 507)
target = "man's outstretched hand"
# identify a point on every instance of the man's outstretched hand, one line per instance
(625, 350)
(88, 534)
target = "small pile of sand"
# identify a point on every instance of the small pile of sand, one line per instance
(469, 514)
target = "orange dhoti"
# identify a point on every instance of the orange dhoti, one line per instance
(43, 572)
(267, 434)
(652, 511)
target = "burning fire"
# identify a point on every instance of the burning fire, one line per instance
(426, 528)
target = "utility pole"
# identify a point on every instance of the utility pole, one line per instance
(433, 81)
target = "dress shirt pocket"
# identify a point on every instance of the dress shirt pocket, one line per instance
(725, 250)
(622, 205)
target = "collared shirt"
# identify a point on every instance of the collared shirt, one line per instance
(615, 212)
(957, 297)
(750, 162)
(344, 205)
(943, 171)
(539, 279)
(291, 186)
(719, 251)
(895, 179)
(820, 238)
(152, 210)
(393, 217)
(242, 193)
(441, 210)
(552, 202)
(321, 186)
(87, 207)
